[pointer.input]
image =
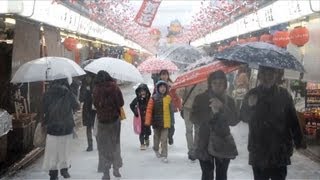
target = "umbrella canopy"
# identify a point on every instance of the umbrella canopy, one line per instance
(201, 62)
(182, 55)
(117, 68)
(47, 69)
(201, 74)
(261, 54)
(154, 65)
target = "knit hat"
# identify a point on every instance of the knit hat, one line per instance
(217, 75)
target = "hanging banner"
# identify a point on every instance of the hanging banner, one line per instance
(147, 12)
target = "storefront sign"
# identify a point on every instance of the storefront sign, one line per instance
(276, 13)
(147, 12)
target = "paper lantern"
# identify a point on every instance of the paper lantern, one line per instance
(70, 44)
(266, 38)
(281, 38)
(299, 36)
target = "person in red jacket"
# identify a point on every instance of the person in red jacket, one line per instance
(108, 100)
(176, 100)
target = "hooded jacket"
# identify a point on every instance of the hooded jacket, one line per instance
(107, 99)
(141, 103)
(160, 110)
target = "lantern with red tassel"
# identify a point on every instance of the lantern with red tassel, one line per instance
(266, 38)
(281, 38)
(70, 44)
(299, 36)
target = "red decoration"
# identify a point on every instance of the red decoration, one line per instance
(233, 43)
(281, 38)
(242, 41)
(147, 12)
(70, 44)
(299, 36)
(266, 38)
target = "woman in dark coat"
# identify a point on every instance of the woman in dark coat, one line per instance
(108, 99)
(214, 111)
(88, 114)
(141, 102)
(273, 126)
(59, 105)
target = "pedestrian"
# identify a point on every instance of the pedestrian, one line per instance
(241, 86)
(176, 101)
(88, 114)
(214, 111)
(160, 116)
(188, 95)
(59, 105)
(140, 103)
(273, 126)
(108, 99)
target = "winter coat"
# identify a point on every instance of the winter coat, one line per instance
(215, 138)
(141, 103)
(88, 114)
(273, 124)
(176, 100)
(160, 110)
(59, 104)
(107, 99)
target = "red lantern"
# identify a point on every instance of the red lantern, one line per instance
(266, 38)
(299, 36)
(281, 38)
(252, 39)
(70, 44)
(242, 41)
(233, 43)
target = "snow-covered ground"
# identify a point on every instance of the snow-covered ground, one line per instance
(144, 165)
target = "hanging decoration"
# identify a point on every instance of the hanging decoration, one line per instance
(281, 38)
(174, 31)
(266, 38)
(242, 41)
(299, 36)
(233, 43)
(70, 44)
(252, 39)
(147, 12)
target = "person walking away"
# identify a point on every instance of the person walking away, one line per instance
(88, 114)
(140, 103)
(273, 127)
(188, 95)
(176, 101)
(160, 116)
(214, 111)
(59, 105)
(108, 99)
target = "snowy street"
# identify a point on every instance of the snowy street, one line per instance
(144, 164)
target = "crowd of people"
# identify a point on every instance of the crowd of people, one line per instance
(207, 109)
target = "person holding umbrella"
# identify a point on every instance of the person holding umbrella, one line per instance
(273, 126)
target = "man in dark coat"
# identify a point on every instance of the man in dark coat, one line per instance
(214, 111)
(88, 114)
(273, 127)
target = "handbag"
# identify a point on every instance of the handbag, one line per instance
(40, 136)
(122, 114)
(137, 123)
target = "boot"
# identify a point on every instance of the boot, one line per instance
(64, 172)
(147, 141)
(143, 147)
(53, 174)
(90, 148)
(106, 175)
(116, 173)
(170, 140)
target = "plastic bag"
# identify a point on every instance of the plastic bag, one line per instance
(40, 135)
(137, 123)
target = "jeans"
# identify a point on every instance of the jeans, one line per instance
(221, 166)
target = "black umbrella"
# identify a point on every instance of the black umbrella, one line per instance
(261, 54)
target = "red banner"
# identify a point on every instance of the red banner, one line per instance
(147, 12)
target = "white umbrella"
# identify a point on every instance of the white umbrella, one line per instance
(47, 69)
(117, 68)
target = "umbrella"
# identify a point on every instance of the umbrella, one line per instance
(117, 68)
(47, 69)
(182, 55)
(201, 74)
(201, 62)
(261, 54)
(154, 65)
(86, 62)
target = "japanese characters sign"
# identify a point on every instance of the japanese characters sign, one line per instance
(147, 12)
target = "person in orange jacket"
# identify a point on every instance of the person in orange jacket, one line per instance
(160, 115)
(176, 100)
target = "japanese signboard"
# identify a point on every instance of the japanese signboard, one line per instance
(147, 12)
